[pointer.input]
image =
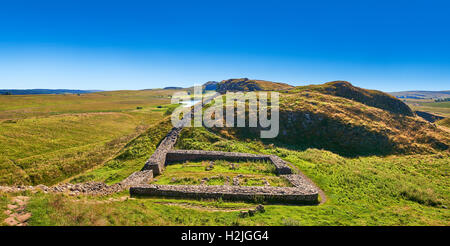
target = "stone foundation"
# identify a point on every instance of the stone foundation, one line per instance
(233, 193)
(199, 155)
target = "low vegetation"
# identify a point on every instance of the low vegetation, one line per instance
(377, 166)
(347, 127)
(45, 139)
(245, 84)
(220, 173)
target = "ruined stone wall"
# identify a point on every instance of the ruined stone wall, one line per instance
(196, 155)
(240, 193)
(157, 161)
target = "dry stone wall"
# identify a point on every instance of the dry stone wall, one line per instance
(195, 155)
(226, 192)
(157, 161)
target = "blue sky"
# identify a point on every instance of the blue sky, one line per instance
(110, 45)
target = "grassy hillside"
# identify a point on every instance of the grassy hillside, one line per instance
(372, 98)
(130, 159)
(312, 119)
(49, 138)
(445, 122)
(245, 84)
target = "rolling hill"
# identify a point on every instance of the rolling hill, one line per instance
(43, 91)
(421, 94)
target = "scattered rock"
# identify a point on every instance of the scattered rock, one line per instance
(243, 214)
(18, 201)
(23, 217)
(234, 166)
(11, 221)
(251, 212)
(260, 208)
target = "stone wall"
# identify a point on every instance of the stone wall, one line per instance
(157, 161)
(197, 155)
(239, 193)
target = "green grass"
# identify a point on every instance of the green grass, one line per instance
(191, 173)
(391, 190)
(131, 158)
(369, 190)
(445, 122)
(3, 203)
(26, 106)
(430, 106)
(45, 139)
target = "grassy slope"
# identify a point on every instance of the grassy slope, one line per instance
(131, 158)
(393, 190)
(445, 122)
(48, 138)
(372, 98)
(347, 127)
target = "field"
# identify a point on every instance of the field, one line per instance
(107, 139)
(48, 138)
(430, 106)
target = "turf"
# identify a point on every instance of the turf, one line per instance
(45, 139)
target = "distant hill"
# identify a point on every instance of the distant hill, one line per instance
(172, 88)
(421, 94)
(44, 91)
(245, 84)
(372, 98)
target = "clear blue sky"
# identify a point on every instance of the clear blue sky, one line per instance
(109, 45)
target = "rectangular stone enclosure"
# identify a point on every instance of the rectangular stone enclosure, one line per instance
(302, 192)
